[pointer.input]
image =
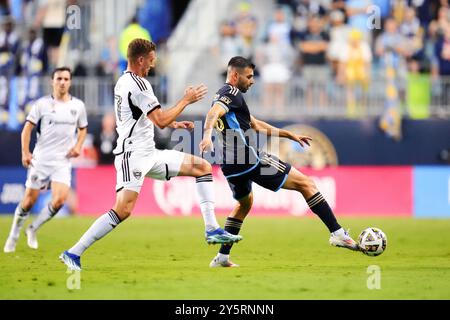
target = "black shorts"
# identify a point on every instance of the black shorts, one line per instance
(270, 173)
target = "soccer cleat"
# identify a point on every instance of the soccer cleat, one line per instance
(72, 261)
(217, 262)
(10, 245)
(31, 238)
(343, 241)
(221, 236)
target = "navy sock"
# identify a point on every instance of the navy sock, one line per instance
(233, 226)
(320, 207)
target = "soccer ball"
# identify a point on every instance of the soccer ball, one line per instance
(372, 241)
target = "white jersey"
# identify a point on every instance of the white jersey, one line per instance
(56, 126)
(133, 101)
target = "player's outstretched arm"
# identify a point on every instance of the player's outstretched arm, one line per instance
(164, 118)
(25, 139)
(213, 115)
(267, 129)
(76, 150)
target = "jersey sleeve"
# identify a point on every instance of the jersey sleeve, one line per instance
(82, 118)
(35, 114)
(228, 100)
(145, 100)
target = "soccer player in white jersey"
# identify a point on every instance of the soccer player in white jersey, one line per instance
(57, 118)
(137, 110)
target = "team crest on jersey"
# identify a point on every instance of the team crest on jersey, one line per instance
(73, 112)
(137, 174)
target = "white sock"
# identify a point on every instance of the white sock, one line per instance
(223, 257)
(205, 191)
(46, 214)
(20, 216)
(101, 227)
(339, 232)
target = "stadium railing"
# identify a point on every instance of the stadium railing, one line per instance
(420, 98)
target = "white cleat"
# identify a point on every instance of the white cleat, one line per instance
(31, 238)
(343, 240)
(226, 263)
(10, 245)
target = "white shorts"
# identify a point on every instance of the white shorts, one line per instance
(40, 176)
(133, 166)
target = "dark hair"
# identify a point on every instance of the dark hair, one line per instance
(59, 69)
(241, 63)
(139, 47)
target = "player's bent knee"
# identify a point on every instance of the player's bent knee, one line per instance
(58, 202)
(305, 185)
(204, 168)
(28, 202)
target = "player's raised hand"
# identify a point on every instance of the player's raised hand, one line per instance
(302, 140)
(206, 145)
(194, 94)
(74, 152)
(26, 158)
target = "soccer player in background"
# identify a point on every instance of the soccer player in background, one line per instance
(137, 110)
(243, 164)
(56, 117)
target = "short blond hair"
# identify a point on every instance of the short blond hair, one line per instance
(139, 47)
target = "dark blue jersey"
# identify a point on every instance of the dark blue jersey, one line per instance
(238, 140)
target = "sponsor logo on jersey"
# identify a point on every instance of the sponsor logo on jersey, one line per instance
(225, 99)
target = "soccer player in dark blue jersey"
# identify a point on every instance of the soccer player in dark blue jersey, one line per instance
(243, 164)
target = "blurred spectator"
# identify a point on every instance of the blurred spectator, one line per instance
(302, 10)
(4, 8)
(392, 42)
(156, 17)
(384, 8)
(274, 58)
(315, 70)
(227, 46)
(79, 38)
(442, 66)
(391, 48)
(34, 65)
(358, 16)
(306, 8)
(424, 10)
(9, 62)
(246, 27)
(109, 59)
(133, 31)
(51, 17)
(279, 27)
(354, 71)
(105, 140)
(340, 6)
(437, 27)
(107, 69)
(413, 33)
(339, 33)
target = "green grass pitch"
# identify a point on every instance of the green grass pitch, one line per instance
(280, 257)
